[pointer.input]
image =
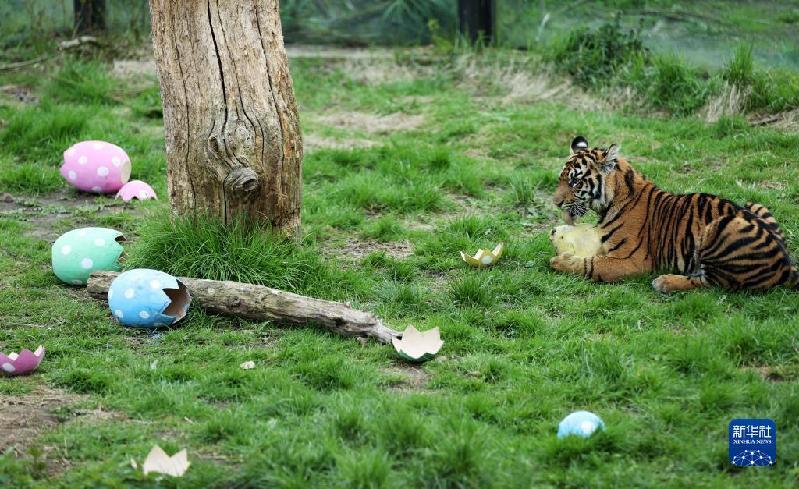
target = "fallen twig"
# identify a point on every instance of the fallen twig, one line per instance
(22, 64)
(72, 43)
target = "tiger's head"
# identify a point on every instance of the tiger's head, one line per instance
(585, 179)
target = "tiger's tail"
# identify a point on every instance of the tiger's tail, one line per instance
(793, 280)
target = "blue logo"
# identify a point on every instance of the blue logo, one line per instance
(753, 442)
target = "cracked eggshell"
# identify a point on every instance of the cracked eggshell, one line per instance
(21, 363)
(144, 298)
(159, 462)
(78, 253)
(418, 346)
(484, 258)
(136, 189)
(96, 166)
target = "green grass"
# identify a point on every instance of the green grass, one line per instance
(523, 346)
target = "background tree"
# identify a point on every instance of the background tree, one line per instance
(89, 16)
(476, 20)
(233, 140)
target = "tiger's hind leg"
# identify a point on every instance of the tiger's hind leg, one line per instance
(743, 253)
(765, 215)
(675, 283)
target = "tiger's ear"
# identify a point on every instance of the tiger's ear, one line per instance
(579, 144)
(611, 159)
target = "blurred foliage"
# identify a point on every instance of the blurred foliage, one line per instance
(621, 44)
(592, 56)
(347, 22)
(38, 21)
(363, 22)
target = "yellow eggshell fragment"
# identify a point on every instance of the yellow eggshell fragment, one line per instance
(484, 258)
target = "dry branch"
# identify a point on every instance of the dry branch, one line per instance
(23, 64)
(260, 303)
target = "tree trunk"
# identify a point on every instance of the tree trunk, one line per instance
(89, 16)
(476, 20)
(233, 141)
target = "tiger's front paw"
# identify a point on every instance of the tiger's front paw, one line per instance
(567, 263)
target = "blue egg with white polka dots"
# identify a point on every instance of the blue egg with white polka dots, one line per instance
(144, 298)
(580, 423)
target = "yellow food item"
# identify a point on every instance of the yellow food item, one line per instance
(581, 240)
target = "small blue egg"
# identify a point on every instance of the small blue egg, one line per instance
(144, 298)
(580, 423)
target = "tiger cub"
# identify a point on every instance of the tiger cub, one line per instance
(704, 239)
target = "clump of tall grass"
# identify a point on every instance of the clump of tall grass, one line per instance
(593, 57)
(241, 251)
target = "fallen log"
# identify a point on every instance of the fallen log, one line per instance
(260, 303)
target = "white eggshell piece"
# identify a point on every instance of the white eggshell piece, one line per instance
(418, 346)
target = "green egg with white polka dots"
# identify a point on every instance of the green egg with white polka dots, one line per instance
(78, 253)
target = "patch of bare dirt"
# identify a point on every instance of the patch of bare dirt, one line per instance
(786, 121)
(300, 51)
(372, 123)
(25, 416)
(367, 63)
(44, 211)
(480, 152)
(406, 378)
(19, 93)
(357, 249)
(418, 99)
(377, 71)
(312, 142)
(774, 185)
(133, 68)
(515, 81)
(776, 374)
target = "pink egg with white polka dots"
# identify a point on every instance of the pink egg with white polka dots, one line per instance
(136, 189)
(96, 166)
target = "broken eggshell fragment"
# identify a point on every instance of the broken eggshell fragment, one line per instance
(484, 258)
(144, 298)
(159, 462)
(78, 253)
(21, 363)
(136, 189)
(418, 346)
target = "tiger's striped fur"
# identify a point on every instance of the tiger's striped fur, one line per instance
(706, 239)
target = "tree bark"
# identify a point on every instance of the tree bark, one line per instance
(261, 303)
(89, 16)
(233, 141)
